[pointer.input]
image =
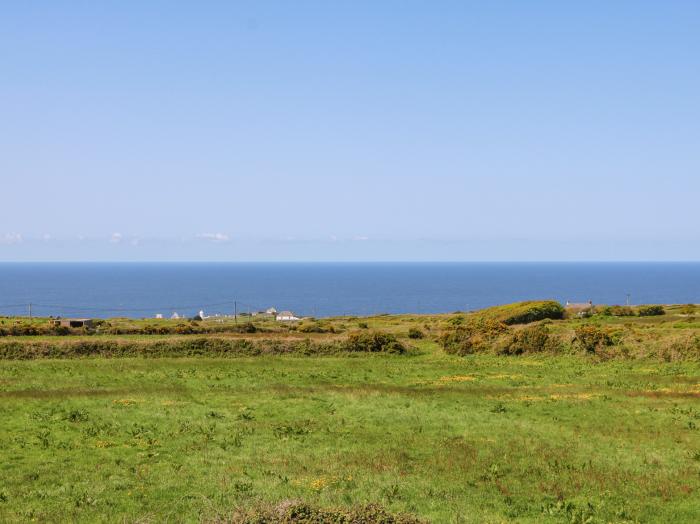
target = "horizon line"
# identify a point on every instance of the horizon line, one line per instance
(581, 261)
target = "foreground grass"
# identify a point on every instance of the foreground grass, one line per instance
(449, 439)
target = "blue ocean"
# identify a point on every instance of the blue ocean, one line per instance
(329, 289)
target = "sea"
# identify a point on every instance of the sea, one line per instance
(142, 290)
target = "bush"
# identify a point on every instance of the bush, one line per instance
(536, 311)
(456, 320)
(473, 337)
(415, 333)
(246, 327)
(651, 310)
(532, 339)
(313, 327)
(617, 311)
(592, 338)
(373, 342)
(522, 312)
(679, 349)
(688, 309)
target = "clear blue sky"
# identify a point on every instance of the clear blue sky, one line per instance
(363, 130)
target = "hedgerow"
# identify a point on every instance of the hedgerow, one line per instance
(374, 342)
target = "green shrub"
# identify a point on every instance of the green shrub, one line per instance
(522, 312)
(688, 309)
(650, 310)
(679, 348)
(313, 326)
(473, 337)
(531, 339)
(592, 338)
(246, 327)
(373, 342)
(617, 311)
(415, 333)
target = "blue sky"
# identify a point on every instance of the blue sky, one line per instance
(361, 130)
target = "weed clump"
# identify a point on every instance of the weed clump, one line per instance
(293, 512)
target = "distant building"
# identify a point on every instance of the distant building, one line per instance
(286, 316)
(580, 309)
(159, 315)
(579, 305)
(175, 316)
(269, 312)
(72, 322)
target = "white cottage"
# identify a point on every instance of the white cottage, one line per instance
(286, 316)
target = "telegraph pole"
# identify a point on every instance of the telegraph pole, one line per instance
(235, 312)
(30, 310)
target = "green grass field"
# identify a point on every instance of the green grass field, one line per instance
(480, 438)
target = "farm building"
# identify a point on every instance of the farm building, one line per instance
(579, 305)
(269, 312)
(581, 309)
(286, 316)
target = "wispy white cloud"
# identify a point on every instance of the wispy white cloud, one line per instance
(11, 238)
(361, 238)
(116, 238)
(214, 237)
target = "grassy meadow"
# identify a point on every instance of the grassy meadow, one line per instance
(564, 434)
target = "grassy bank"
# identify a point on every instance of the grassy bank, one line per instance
(488, 438)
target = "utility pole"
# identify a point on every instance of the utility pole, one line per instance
(30, 310)
(235, 312)
(628, 299)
